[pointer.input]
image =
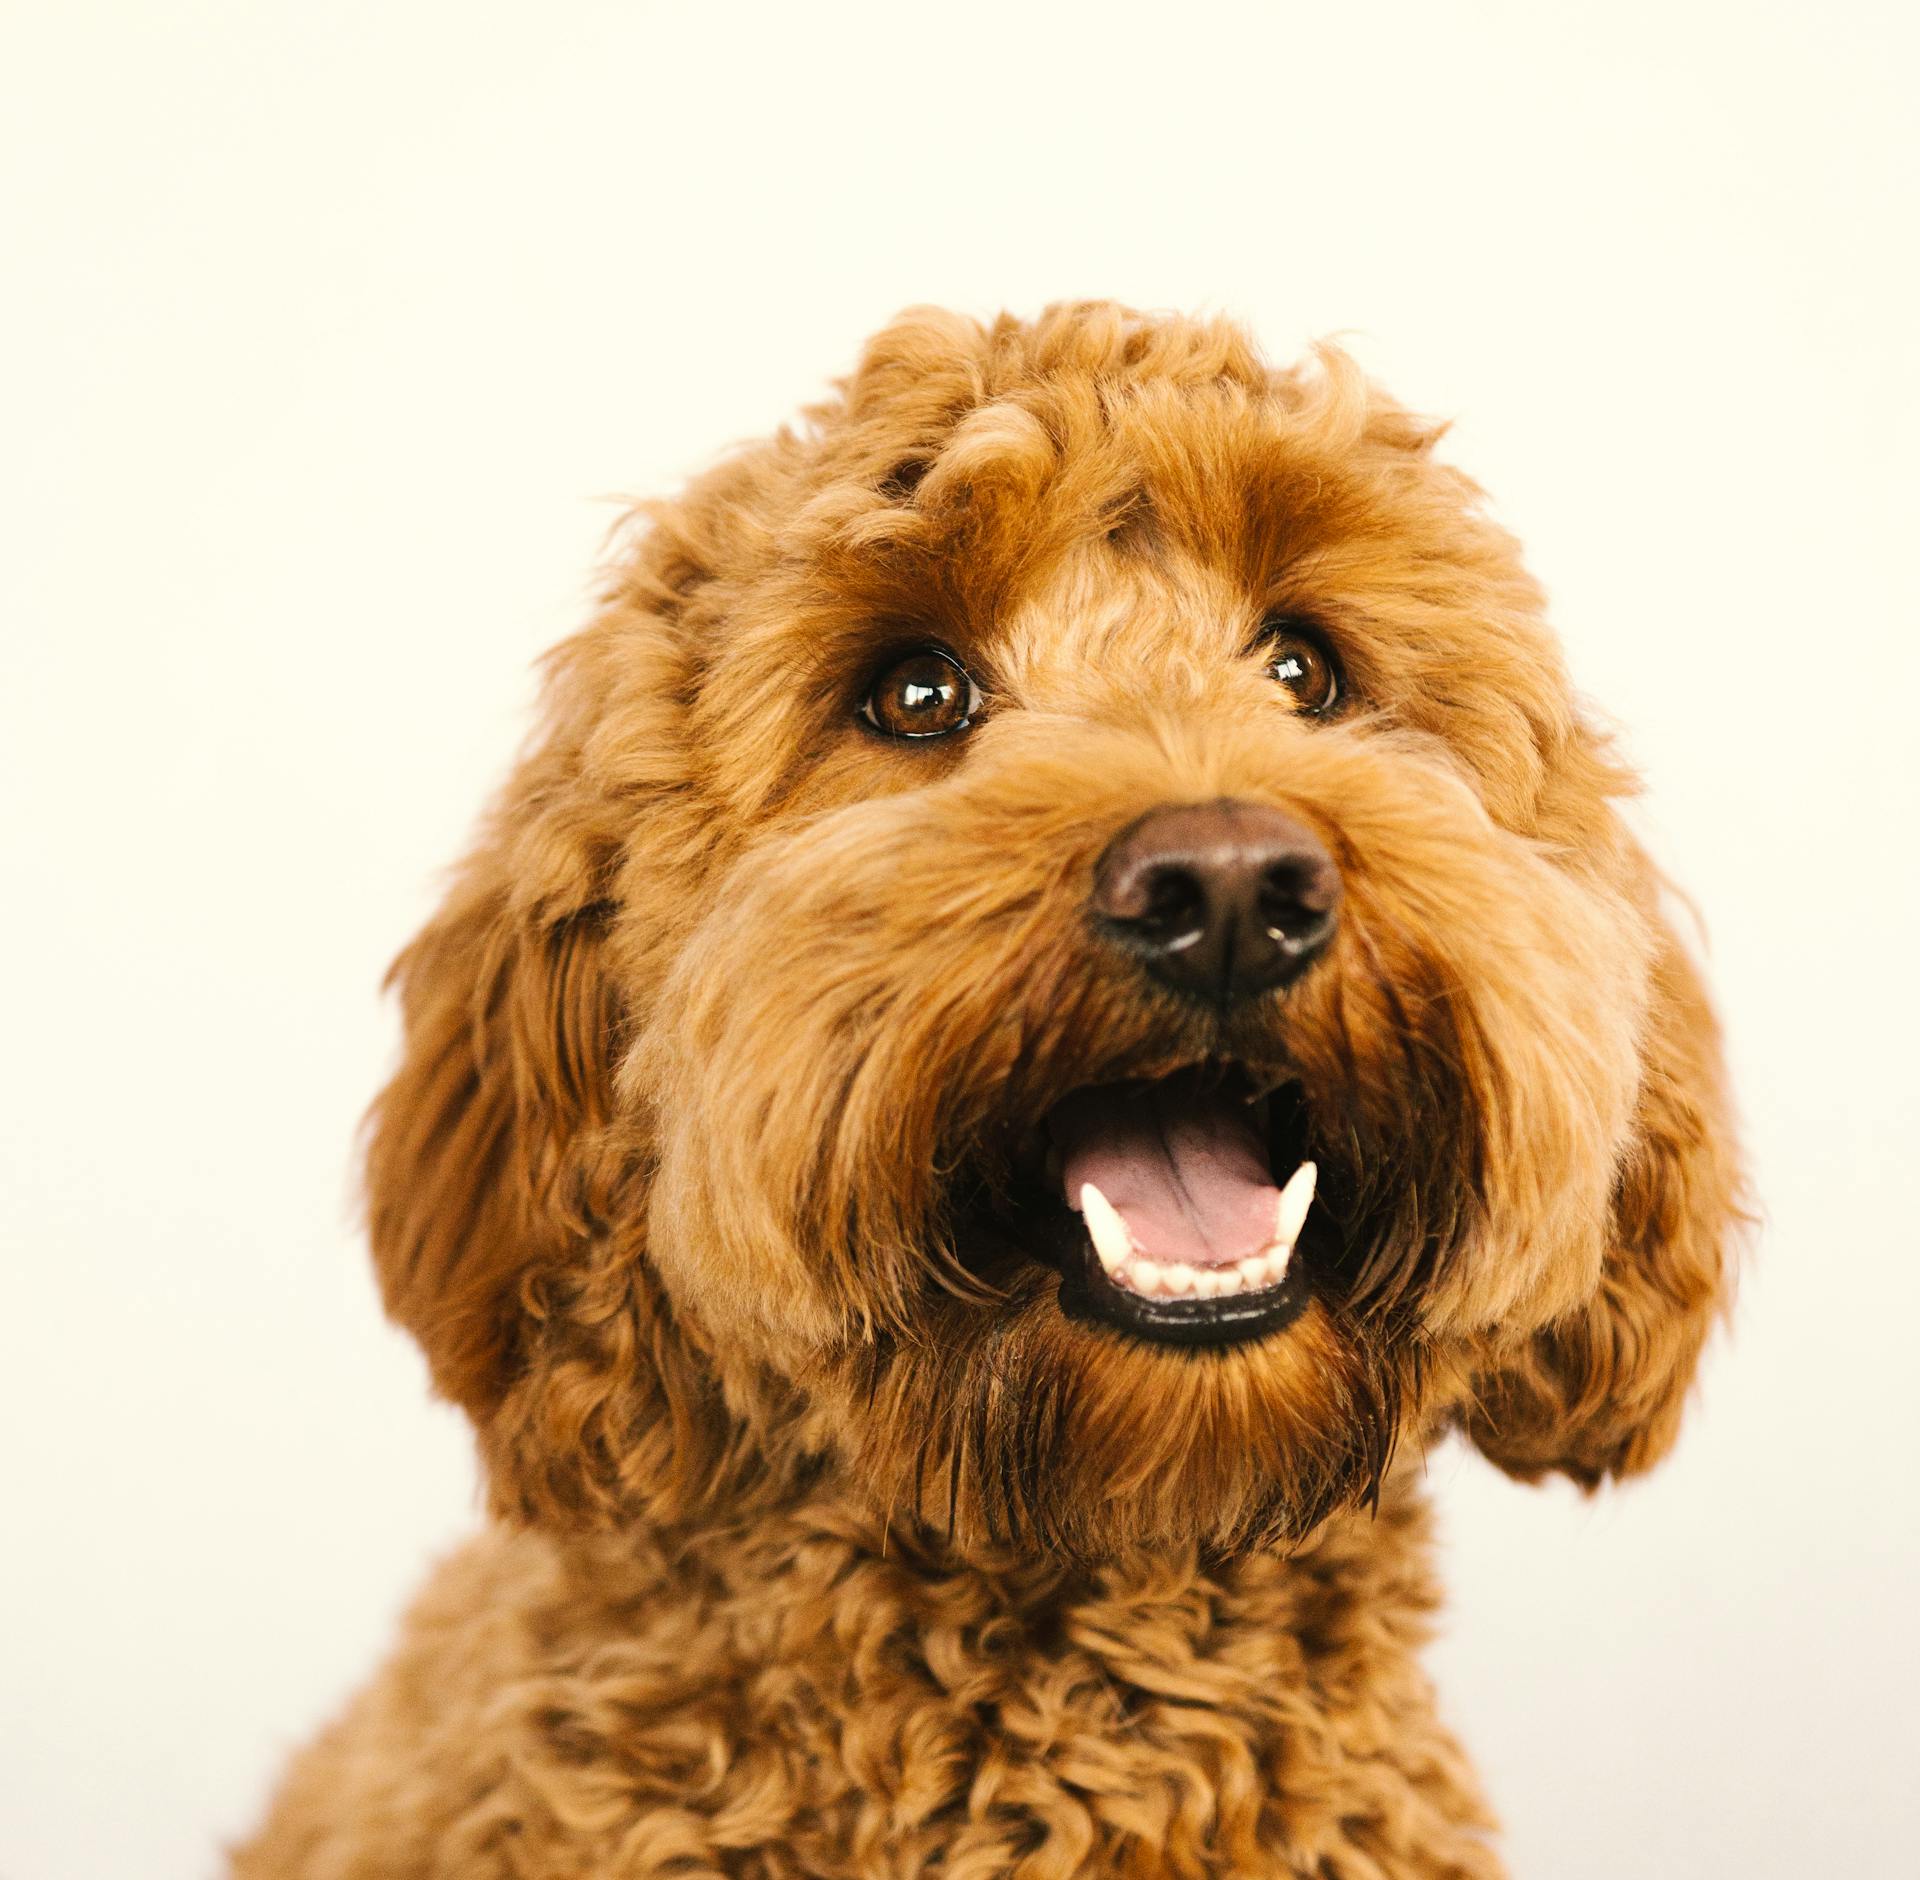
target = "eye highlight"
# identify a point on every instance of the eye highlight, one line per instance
(1299, 657)
(925, 693)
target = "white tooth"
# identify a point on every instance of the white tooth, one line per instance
(1295, 1199)
(1177, 1278)
(1252, 1271)
(1228, 1282)
(1145, 1277)
(1111, 1241)
(1278, 1254)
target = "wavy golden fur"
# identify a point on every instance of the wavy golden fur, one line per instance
(826, 1544)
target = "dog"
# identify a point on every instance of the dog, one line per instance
(1062, 993)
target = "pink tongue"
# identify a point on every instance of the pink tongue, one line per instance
(1185, 1169)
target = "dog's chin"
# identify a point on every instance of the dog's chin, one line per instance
(1201, 1229)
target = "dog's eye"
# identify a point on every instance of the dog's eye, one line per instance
(924, 694)
(1300, 658)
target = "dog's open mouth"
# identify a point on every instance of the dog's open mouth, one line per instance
(1174, 1209)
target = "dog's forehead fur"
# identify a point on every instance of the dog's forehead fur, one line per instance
(1098, 504)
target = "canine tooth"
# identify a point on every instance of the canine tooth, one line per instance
(1111, 1241)
(1144, 1275)
(1295, 1199)
(1177, 1278)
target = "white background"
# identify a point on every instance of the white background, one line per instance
(327, 330)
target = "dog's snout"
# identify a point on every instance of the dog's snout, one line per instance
(1224, 899)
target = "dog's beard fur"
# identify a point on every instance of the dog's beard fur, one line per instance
(693, 1173)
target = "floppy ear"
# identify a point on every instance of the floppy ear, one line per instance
(1600, 1393)
(505, 1199)
(473, 1160)
(506, 1214)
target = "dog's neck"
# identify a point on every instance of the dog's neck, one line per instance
(1239, 1692)
(796, 1548)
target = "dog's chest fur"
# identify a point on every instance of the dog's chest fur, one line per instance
(788, 1700)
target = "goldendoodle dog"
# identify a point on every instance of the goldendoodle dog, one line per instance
(1061, 993)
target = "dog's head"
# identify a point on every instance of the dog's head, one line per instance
(1066, 957)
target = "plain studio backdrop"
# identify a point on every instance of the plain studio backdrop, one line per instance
(329, 335)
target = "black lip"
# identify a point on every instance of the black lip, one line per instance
(1087, 1294)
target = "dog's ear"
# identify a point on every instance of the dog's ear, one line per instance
(472, 1170)
(1600, 1393)
(504, 1201)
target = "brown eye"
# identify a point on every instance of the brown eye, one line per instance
(1303, 662)
(923, 694)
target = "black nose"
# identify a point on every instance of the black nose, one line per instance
(1223, 899)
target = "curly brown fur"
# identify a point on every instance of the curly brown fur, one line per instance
(829, 1543)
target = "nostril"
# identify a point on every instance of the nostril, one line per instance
(1173, 905)
(1296, 898)
(1150, 893)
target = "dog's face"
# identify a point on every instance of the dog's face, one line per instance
(1067, 957)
